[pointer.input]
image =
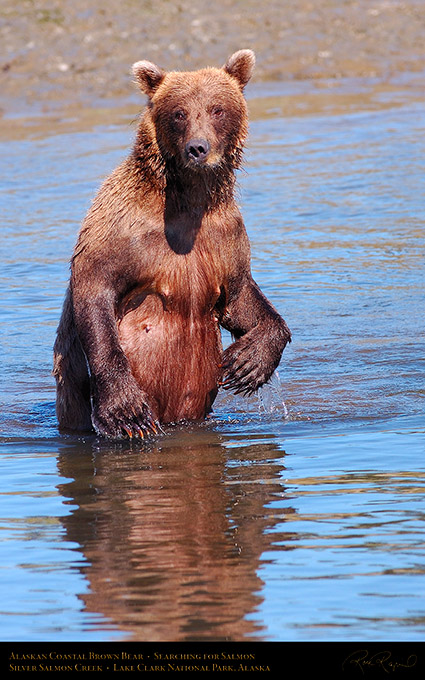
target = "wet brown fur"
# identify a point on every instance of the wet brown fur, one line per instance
(162, 260)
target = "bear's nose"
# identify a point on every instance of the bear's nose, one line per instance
(197, 150)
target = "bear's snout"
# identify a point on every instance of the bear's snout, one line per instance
(197, 150)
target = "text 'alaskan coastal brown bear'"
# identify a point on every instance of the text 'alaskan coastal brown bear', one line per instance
(161, 262)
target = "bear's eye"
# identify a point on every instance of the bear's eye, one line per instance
(179, 116)
(218, 112)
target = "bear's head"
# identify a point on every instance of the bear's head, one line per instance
(199, 117)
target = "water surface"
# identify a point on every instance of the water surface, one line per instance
(298, 515)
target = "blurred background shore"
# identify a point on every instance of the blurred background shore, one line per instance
(79, 53)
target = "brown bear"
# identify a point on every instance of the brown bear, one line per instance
(161, 262)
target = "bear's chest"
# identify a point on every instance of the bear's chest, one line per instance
(186, 284)
(192, 269)
(190, 283)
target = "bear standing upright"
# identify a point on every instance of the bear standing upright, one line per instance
(161, 262)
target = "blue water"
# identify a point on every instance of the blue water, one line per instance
(295, 515)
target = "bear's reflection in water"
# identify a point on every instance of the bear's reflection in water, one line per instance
(173, 533)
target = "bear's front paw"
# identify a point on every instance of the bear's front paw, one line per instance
(123, 415)
(245, 369)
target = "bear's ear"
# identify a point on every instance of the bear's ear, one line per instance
(241, 65)
(148, 76)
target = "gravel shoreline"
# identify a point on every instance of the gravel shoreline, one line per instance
(61, 54)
